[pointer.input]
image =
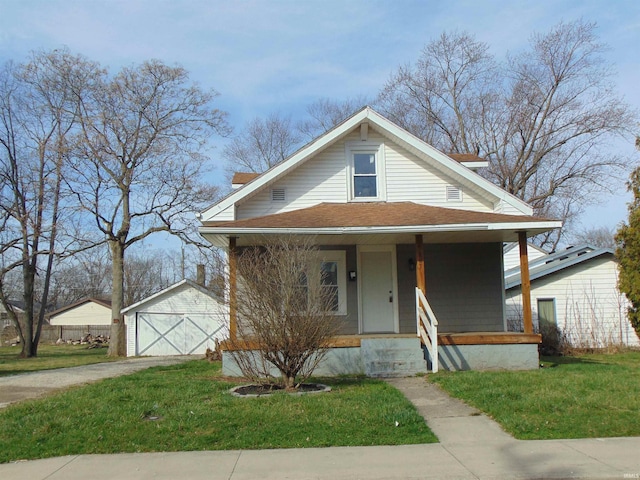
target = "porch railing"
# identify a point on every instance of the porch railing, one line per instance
(427, 327)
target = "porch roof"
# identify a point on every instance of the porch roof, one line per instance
(397, 222)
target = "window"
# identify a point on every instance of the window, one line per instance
(364, 175)
(366, 167)
(332, 275)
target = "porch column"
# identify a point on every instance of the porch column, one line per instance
(525, 283)
(233, 285)
(420, 276)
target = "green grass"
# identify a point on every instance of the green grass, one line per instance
(196, 412)
(570, 397)
(50, 356)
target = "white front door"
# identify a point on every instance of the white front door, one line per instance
(378, 302)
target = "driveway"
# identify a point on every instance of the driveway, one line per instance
(16, 388)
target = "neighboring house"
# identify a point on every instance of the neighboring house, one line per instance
(575, 290)
(512, 254)
(5, 319)
(395, 217)
(183, 319)
(88, 311)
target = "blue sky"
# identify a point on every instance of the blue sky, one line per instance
(281, 55)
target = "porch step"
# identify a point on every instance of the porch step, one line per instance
(392, 357)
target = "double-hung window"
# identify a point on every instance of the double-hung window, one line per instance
(331, 275)
(366, 167)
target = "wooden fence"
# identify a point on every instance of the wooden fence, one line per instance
(51, 333)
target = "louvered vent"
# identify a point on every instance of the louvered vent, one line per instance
(454, 194)
(277, 195)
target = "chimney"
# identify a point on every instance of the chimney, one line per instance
(200, 274)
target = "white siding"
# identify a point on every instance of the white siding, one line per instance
(89, 313)
(589, 308)
(410, 179)
(512, 256)
(184, 301)
(324, 179)
(227, 215)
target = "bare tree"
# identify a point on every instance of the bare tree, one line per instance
(284, 305)
(544, 119)
(261, 144)
(140, 161)
(36, 121)
(325, 113)
(599, 237)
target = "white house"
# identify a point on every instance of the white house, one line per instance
(576, 290)
(397, 219)
(183, 319)
(512, 254)
(88, 311)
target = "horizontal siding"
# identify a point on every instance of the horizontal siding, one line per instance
(321, 179)
(183, 300)
(464, 287)
(410, 179)
(89, 313)
(512, 257)
(589, 308)
(324, 179)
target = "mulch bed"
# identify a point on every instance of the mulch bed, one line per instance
(258, 390)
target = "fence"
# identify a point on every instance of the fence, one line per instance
(51, 333)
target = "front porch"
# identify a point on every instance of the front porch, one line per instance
(399, 355)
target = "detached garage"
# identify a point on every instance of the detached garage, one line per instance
(183, 319)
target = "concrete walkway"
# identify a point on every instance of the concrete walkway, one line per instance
(472, 447)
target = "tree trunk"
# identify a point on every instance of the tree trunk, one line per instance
(117, 343)
(26, 336)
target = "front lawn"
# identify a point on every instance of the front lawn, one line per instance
(586, 396)
(188, 407)
(50, 356)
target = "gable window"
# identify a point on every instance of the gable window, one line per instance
(364, 175)
(366, 171)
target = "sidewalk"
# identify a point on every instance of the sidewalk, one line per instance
(472, 447)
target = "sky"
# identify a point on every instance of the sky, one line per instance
(281, 55)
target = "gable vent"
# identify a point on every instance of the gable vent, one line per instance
(454, 194)
(277, 195)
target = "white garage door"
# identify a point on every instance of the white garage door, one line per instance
(176, 334)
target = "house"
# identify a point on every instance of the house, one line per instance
(72, 322)
(575, 290)
(512, 254)
(183, 319)
(87, 311)
(400, 221)
(5, 319)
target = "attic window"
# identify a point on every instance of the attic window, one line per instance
(278, 195)
(454, 194)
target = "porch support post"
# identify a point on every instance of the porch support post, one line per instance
(421, 282)
(525, 283)
(233, 289)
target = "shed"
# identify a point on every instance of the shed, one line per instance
(183, 319)
(88, 311)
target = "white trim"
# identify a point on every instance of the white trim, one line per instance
(394, 281)
(515, 226)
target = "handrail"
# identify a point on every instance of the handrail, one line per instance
(427, 327)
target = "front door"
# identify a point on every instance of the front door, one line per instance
(378, 303)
